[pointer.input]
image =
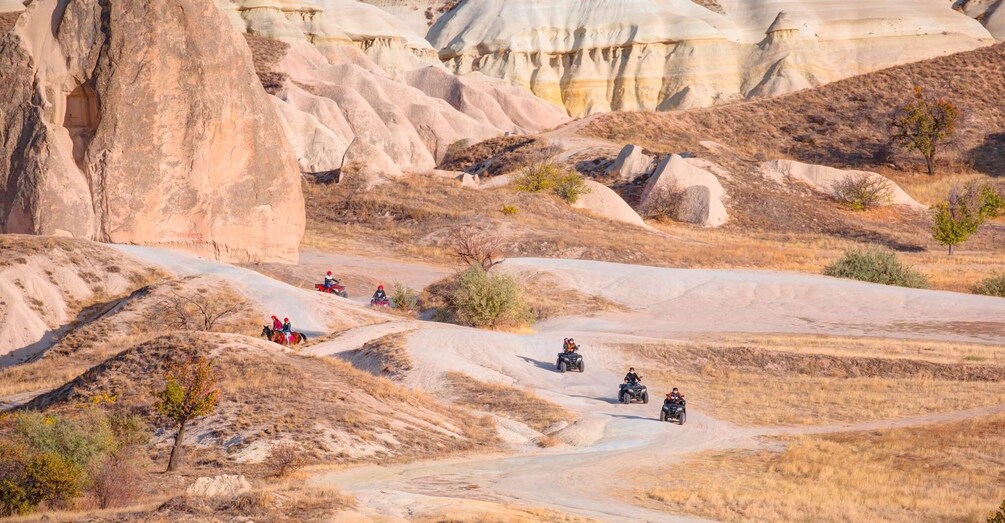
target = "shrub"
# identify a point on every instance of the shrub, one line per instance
(509, 210)
(991, 286)
(476, 246)
(663, 203)
(998, 516)
(115, 481)
(550, 177)
(489, 300)
(78, 440)
(863, 191)
(285, 459)
(405, 298)
(876, 266)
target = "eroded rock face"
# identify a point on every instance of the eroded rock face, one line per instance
(630, 163)
(701, 195)
(142, 121)
(597, 55)
(826, 180)
(603, 201)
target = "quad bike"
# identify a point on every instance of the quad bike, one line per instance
(634, 391)
(338, 289)
(674, 412)
(570, 360)
(380, 303)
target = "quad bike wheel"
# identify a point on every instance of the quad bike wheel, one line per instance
(626, 398)
(663, 415)
(562, 366)
(344, 294)
(582, 365)
(683, 416)
(645, 398)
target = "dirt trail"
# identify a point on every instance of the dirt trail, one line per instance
(610, 441)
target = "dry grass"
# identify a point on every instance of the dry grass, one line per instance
(482, 512)
(412, 220)
(941, 473)
(830, 381)
(285, 503)
(506, 401)
(386, 356)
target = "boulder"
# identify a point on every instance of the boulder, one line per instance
(824, 179)
(469, 180)
(226, 485)
(630, 164)
(104, 142)
(702, 195)
(603, 201)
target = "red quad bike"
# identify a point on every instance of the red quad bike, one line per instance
(338, 289)
(380, 303)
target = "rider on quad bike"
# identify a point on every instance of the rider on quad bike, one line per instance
(632, 377)
(569, 345)
(330, 281)
(674, 398)
(380, 295)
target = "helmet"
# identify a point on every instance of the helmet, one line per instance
(675, 389)
(329, 273)
(380, 287)
(632, 369)
(572, 340)
(274, 317)
(287, 319)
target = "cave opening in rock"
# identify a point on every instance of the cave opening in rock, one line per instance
(81, 120)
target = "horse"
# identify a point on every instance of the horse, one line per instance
(296, 338)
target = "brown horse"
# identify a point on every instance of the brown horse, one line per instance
(296, 338)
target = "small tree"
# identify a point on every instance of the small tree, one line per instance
(863, 191)
(405, 298)
(922, 125)
(963, 212)
(489, 300)
(476, 246)
(190, 393)
(200, 311)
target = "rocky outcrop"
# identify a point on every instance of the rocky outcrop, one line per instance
(594, 55)
(363, 78)
(603, 201)
(991, 13)
(825, 179)
(698, 193)
(143, 122)
(630, 163)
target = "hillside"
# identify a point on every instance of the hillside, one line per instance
(843, 124)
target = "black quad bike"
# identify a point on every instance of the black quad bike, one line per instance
(569, 361)
(635, 391)
(676, 411)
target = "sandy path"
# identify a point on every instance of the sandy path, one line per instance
(611, 441)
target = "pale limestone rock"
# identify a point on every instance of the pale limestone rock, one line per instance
(702, 193)
(823, 179)
(991, 13)
(630, 163)
(227, 485)
(603, 201)
(182, 151)
(596, 55)
(469, 180)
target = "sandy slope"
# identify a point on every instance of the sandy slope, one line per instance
(610, 440)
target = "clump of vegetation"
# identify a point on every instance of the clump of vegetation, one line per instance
(509, 210)
(876, 266)
(51, 459)
(405, 298)
(664, 202)
(476, 246)
(993, 285)
(963, 212)
(285, 459)
(921, 125)
(998, 516)
(485, 300)
(190, 392)
(550, 177)
(863, 191)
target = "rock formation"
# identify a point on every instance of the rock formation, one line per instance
(595, 55)
(142, 121)
(991, 13)
(824, 179)
(698, 191)
(364, 78)
(630, 163)
(603, 201)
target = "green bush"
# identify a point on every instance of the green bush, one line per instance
(993, 285)
(998, 516)
(550, 177)
(46, 458)
(489, 300)
(876, 266)
(509, 210)
(405, 298)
